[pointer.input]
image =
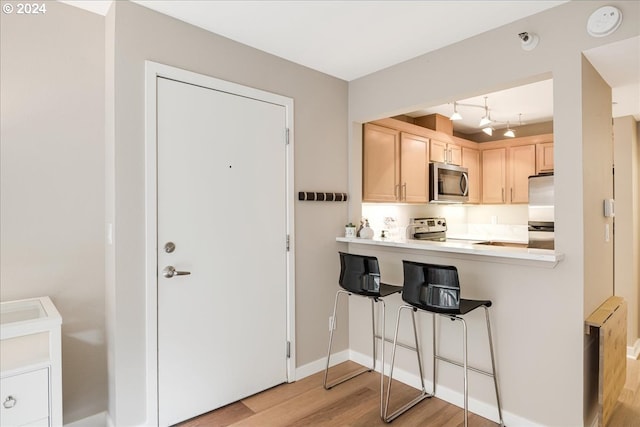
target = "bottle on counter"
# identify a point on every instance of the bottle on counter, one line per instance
(366, 232)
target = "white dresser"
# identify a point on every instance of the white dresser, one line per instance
(30, 363)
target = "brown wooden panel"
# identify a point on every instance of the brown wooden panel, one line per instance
(613, 363)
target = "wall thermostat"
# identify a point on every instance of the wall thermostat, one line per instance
(604, 21)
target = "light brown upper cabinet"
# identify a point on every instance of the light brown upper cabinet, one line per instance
(471, 161)
(395, 166)
(522, 164)
(494, 175)
(444, 152)
(544, 154)
(414, 168)
(380, 164)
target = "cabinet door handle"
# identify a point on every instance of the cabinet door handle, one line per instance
(396, 190)
(502, 194)
(404, 190)
(511, 194)
(9, 402)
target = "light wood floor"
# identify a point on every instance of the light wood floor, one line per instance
(353, 403)
(356, 403)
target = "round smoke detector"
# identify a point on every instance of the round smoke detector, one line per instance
(604, 21)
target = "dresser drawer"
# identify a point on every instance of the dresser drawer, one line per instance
(24, 398)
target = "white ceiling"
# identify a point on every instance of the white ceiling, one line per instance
(534, 101)
(350, 39)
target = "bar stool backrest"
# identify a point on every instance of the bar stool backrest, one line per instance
(359, 274)
(431, 286)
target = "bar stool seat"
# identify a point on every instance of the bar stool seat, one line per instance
(435, 289)
(360, 276)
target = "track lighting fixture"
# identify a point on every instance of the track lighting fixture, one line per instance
(486, 123)
(455, 115)
(509, 133)
(486, 119)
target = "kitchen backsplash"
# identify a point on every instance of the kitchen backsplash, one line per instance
(486, 222)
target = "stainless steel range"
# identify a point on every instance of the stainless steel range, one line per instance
(427, 229)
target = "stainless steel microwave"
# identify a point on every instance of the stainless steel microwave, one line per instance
(448, 183)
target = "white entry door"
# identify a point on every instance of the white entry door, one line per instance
(221, 194)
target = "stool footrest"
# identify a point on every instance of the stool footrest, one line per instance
(347, 378)
(424, 395)
(471, 368)
(390, 341)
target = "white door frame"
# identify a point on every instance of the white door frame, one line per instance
(153, 70)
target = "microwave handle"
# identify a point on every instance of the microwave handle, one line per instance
(464, 178)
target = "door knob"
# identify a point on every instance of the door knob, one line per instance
(170, 271)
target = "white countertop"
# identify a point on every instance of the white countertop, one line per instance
(488, 253)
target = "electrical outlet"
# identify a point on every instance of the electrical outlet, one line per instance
(332, 324)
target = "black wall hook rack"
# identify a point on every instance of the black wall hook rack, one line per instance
(322, 196)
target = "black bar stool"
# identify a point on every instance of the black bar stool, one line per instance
(360, 276)
(436, 289)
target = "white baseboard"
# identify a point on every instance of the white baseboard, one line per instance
(320, 364)
(95, 420)
(633, 352)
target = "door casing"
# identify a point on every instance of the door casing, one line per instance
(153, 70)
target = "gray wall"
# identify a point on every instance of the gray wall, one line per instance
(547, 370)
(136, 34)
(52, 184)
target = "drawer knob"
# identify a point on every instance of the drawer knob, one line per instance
(9, 402)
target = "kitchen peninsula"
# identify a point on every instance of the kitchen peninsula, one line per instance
(517, 280)
(469, 249)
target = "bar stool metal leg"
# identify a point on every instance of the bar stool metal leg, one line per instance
(423, 393)
(381, 357)
(326, 371)
(434, 352)
(493, 366)
(465, 362)
(373, 334)
(465, 366)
